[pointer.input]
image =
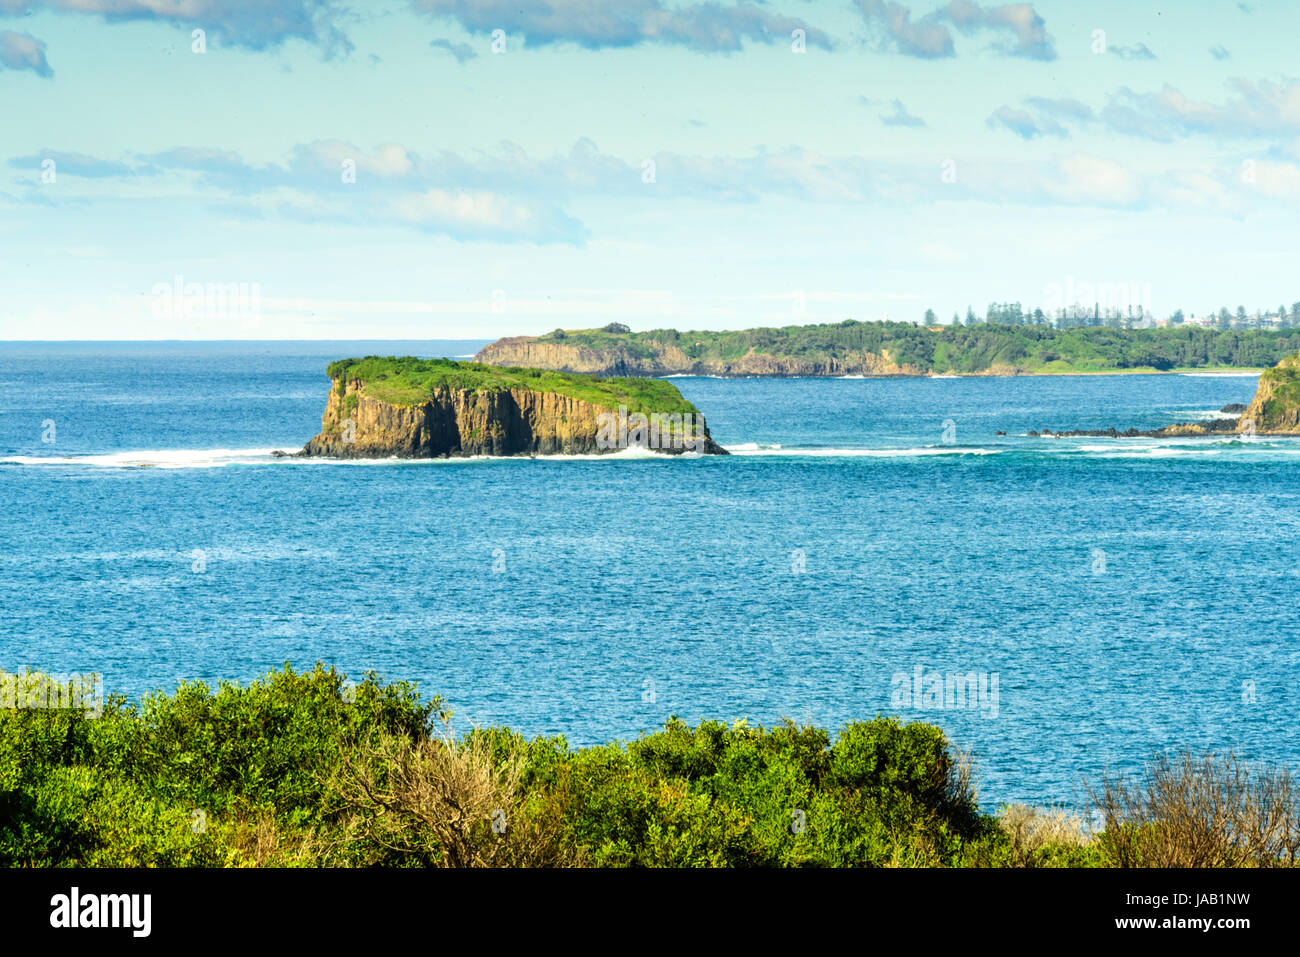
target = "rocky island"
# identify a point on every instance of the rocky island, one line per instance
(434, 408)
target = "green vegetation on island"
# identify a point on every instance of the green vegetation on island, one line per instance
(408, 381)
(306, 769)
(1276, 406)
(919, 349)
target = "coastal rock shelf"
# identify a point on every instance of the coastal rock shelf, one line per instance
(414, 408)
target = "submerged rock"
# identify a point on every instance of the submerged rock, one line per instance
(1211, 427)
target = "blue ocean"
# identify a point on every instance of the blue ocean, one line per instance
(1081, 602)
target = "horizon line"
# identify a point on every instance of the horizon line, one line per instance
(12, 341)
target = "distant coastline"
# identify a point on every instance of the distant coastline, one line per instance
(896, 349)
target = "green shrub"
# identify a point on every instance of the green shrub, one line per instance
(79, 790)
(300, 769)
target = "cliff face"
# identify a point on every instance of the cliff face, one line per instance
(653, 358)
(462, 422)
(1276, 406)
(615, 361)
(762, 364)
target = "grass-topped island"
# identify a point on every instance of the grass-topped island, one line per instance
(406, 407)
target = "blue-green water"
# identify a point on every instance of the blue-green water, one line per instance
(1128, 595)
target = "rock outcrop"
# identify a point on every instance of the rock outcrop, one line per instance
(615, 360)
(1179, 429)
(467, 422)
(1275, 410)
(654, 358)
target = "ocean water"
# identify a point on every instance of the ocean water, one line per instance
(1110, 597)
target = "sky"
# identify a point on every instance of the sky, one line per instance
(337, 169)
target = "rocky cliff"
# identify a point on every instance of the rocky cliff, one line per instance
(648, 357)
(616, 359)
(451, 421)
(1276, 407)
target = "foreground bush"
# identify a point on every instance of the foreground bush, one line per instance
(177, 780)
(437, 801)
(307, 770)
(1201, 811)
(1047, 837)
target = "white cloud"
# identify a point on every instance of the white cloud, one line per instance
(486, 215)
(1020, 31)
(1255, 110)
(22, 51)
(595, 24)
(251, 24)
(1091, 180)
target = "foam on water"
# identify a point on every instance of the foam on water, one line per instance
(154, 458)
(751, 450)
(743, 447)
(168, 459)
(218, 458)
